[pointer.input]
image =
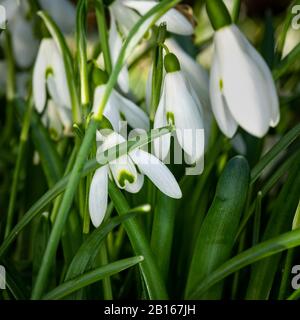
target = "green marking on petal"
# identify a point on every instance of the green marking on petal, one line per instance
(221, 84)
(124, 176)
(49, 72)
(171, 118)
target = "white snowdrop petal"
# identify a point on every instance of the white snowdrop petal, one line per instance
(223, 116)
(123, 171)
(188, 121)
(126, 17)
(110, 141)
(270, 92)
(244, 85)
(98, 196)
(162, 144)
(157, 172)
(134, 115)
(39, 78)
(53, 119)
(195, 73)
(176, 22)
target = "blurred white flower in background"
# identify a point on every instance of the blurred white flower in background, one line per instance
(123, 171)
(63, 13)
(49, 78)
(126, 13)
(23, 41)
(242, 88)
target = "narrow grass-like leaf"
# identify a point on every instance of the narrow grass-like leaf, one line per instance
(163, 231)
(90, 248)
(92, 165)
(273, 154)
(263, 273)
(92, 277)
(263, 250)
(141, 246)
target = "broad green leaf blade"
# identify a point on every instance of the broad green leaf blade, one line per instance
(216, 236)
(92, 277)
(163, 231)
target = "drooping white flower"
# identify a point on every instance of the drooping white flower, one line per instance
(125, 13)
(118, 106)
(180, 106)
(49, 76)
(196, 75)
(242, 89)
(123, 171)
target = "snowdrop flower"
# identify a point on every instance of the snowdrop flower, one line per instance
(196, 75)
(49, 76)
(124, 171)
(119, 107)
(23, 41)
(126, 13)
(242, 89)
(180, 106)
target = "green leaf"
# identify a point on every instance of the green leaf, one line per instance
(82, 50)
(263, 250)
(140, 244)
(216, 235)
(92, 277)
(263, 273)
(163, 231)
(90, 248)
(92, 165)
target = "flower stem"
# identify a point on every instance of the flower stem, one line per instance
(81, 51)
(103, 33)
(17, 171)
(150, 271)
(64, 209)
(157, 75)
